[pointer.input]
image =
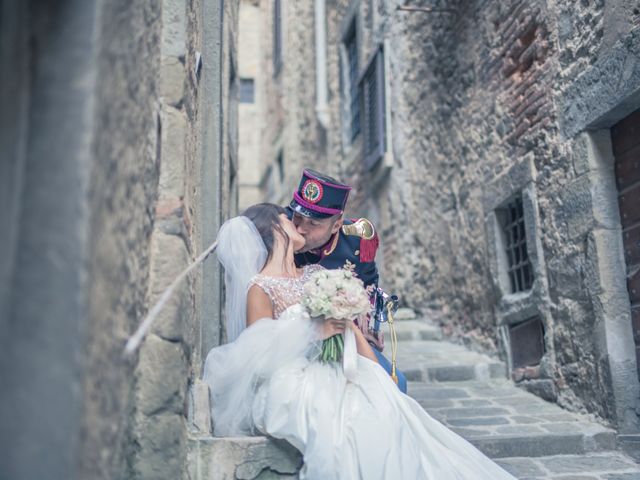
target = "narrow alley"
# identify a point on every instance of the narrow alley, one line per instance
(479, 159)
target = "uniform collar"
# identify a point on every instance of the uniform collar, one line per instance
(328, 248)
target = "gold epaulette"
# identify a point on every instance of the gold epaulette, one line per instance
(362, 228)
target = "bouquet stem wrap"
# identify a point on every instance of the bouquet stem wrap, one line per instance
(350, 356)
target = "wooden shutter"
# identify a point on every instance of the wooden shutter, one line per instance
(277, 37)
(373, 108)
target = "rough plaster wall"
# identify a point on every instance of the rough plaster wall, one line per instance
(122, 192)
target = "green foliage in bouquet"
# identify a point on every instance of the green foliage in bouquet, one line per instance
(332, 349)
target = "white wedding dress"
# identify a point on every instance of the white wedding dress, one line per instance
(269, 382)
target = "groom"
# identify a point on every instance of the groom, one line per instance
(317, 210)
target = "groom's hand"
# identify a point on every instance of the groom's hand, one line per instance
(333, 326)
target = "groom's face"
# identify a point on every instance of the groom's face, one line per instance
(316, 231)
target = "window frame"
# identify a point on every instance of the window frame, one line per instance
(374, 137)
(351, 91)
(277, 37)
(242, 90)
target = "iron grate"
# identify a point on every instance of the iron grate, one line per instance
(519, 266)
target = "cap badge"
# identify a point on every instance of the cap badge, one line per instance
(312, 191)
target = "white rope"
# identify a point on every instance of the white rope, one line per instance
(136, 339)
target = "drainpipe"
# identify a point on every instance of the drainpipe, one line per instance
(322, 110)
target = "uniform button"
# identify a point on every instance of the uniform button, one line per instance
(357, 252)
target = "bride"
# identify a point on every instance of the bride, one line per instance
(269, 381)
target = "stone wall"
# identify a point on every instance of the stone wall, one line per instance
(486, 102)
(188, 212)
(291, 126)
(252, 164)
(116, 146)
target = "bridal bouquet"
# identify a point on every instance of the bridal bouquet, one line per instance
(335, 294)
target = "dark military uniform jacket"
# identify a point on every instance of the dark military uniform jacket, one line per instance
(355, 242)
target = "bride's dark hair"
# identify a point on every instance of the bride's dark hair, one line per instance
(266, 218)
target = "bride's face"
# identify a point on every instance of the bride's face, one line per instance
(297, 240)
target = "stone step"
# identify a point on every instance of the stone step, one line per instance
(592, 466)
(505, 421)
(431, 360)
(415, 330)
(248, 458)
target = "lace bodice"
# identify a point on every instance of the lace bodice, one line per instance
(284, 292)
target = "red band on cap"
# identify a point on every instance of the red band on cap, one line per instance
(316, 208)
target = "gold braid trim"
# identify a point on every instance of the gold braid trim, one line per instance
(394, 344)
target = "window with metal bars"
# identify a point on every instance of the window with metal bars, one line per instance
(373, 109)
(277, 36)
(518, 264)
(351, 49)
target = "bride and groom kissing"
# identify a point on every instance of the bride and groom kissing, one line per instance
(269, 379)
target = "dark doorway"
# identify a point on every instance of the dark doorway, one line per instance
(625, 136)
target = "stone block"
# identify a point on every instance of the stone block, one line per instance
(521, 467)
(529, 445)
(172, 165)
(162, 447)
(470, 412)
(630, 444)
(544, 389)
(245, 458)
(453, 373)
(565, 274)
(608, 90)
(466, 422)
(169, 257)
(201, 407)
(174, 31)
(577, 209)
(605, 264)
(162, 377)
(172, 81)
(622, 476)
(587, 463)
(416, 390)
(592, 151)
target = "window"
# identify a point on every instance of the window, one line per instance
(351, 91)
(232, 106)
(280, 164)
(527, 342)
(373, 106)
(247, 94)
(277, 37)
(518, 265)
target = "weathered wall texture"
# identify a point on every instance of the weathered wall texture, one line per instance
(171, 358)
(251, 164)
(121, 197)
(115, 165)
(485, 102)
(291, 127)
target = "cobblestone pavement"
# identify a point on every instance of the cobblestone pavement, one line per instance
(529, 437)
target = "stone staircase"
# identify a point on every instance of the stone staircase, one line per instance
(470, 393)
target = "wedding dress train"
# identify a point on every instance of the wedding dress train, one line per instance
(269, 382)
